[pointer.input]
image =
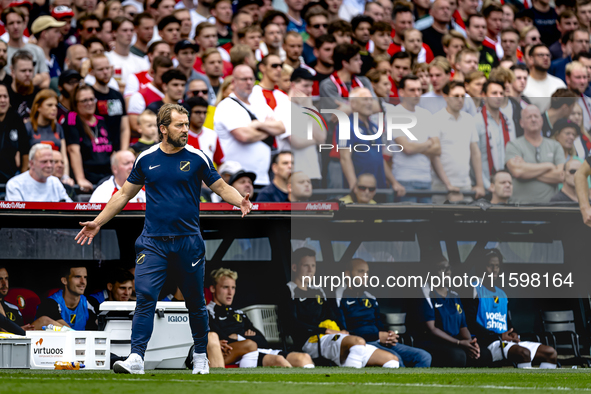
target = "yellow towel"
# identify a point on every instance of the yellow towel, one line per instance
(329, 324)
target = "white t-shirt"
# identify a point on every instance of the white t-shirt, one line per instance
(129, 65)
(415, 167)
(305, 159)
(24, 188)
(540, 92)
(455, 136)
(255, 156)
(105, 191)
(434, 103)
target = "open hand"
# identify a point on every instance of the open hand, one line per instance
(88, 232)
(246, 205)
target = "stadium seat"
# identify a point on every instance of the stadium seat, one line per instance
(397, 323)
(26, 300)
(560, 325)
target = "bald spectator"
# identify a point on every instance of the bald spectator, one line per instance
(74, 56)
(121, 166)
(433, 35)
(277, 190)
(14, 21)
(363, 192)
(501, 187)
(568, 193)
(535, 162)
(246, 129)
(243, 182)
(299, 187)
(37, 184)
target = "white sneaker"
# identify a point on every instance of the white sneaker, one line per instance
(200, 364)
(133, 365)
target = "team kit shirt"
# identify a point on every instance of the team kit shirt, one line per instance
(271, 97)
(46, 135)
(360, 314)
(106, 190)
(137, 82)
(83, 317)
(111, 107)
(225, 321)
(207, 140)
(447, 312)
(173, 188)
(140, 100)
(12, 313)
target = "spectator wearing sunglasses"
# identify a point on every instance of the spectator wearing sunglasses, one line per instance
(270, 67)
(316, 25)
(568, 192)
(198, 88)
(363, 191)
(535, 162)
(87, 26)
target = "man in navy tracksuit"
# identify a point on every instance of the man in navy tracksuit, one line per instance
(361, 314)
(172, 173)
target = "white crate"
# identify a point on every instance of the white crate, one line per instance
(264, 318)
(91, 348)
(14, 352)
(171, 338)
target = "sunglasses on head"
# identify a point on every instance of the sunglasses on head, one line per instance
(364, 188)
(319, 25)
(198, 92)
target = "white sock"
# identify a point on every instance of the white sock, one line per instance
(391, 364)
(355, 357)
(524, 365)
(547, 366)
(309, 366)
(249, 360)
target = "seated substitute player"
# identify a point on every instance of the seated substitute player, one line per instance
(172, 173)
(445, 333)
(11, 319)
(311, 318)
(119, 287)
(68, 306)
(361, 316)
(234, 326)
(488, 318)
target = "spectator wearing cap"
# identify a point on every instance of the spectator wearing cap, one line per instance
(67, 81)
(22, 91)
(123, 61)
(247, 129)
(47, 32)
(201, 137)
(110, 103)
(140, 80)
(151, 92)
(253, 7)
(535, 162)
(206, 37)
(37, 184)
(243, 181)
(25, 7)
(316, 25)
(169, 29)
(14, 20)
(294, 10)
(276, 191)
(221, 10)
(228, 169)
(305, 152)
(14, 141)
(562, 103)
(143, 26)
(186, 53)
(173, 85)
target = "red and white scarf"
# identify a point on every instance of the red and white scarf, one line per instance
(341, 87)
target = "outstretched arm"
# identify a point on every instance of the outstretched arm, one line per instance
(115, 205)
(232, 196)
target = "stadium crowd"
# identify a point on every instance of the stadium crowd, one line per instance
(498, 88)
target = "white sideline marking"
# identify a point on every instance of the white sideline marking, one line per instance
(435, 385)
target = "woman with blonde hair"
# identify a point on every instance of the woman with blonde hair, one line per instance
(225, 89)
(44, 128)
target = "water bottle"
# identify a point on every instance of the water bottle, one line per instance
(53, 327)
(66, 365)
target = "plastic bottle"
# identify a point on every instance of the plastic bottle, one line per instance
(52, 327)
(63, 365)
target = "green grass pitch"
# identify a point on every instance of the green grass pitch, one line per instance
(301, 381)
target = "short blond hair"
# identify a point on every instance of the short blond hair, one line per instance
(216, 275)
(144, 116)
(573, 66)
(441, 63)
(502, 75)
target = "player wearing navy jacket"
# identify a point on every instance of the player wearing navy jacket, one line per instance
(361, 316)
(487, 315)
(446, 335)
(172, 172)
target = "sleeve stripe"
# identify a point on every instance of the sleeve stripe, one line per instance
(198, 152)
(146, 152)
